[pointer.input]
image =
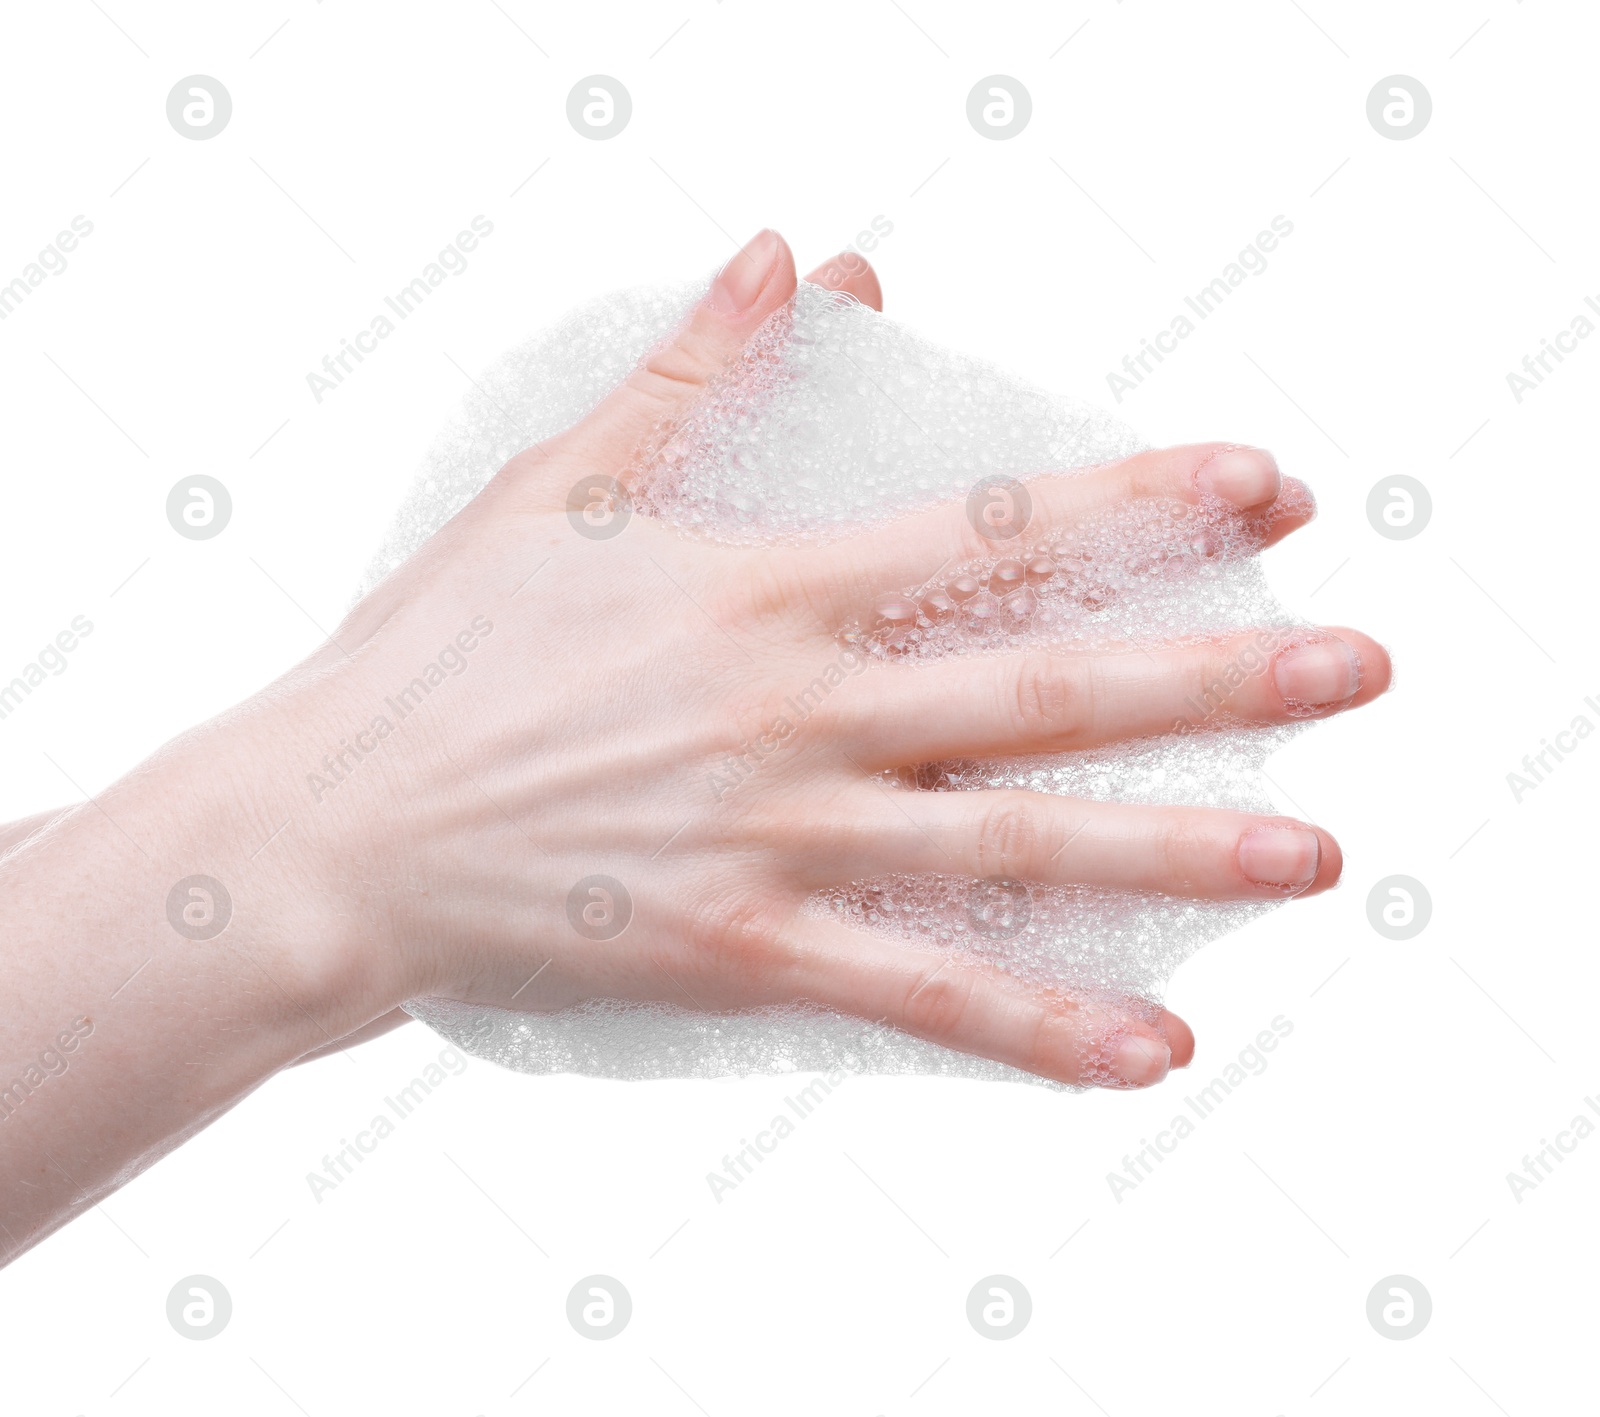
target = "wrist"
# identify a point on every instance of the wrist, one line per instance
(229, 802)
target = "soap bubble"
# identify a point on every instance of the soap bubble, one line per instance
(831, 422)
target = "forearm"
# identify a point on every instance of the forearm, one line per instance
(13, 834)
(125, 1032)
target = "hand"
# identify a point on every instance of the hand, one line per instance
(518, 707)
(592, 691)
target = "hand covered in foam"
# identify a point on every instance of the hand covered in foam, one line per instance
(796, 708)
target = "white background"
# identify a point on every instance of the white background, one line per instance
(1163, 137)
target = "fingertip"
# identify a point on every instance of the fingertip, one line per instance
(1295, 498)
(1180, 1039)
(1245, 478)
(758, 278)
(1330, 867)
(1377, 667)
(1329, 862)
(785, 279)
(853, 274)
(1295, 506)
(1140, 1060)
(1332, 671)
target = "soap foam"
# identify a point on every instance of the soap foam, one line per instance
(834, 420)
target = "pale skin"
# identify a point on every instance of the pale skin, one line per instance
(580, 740)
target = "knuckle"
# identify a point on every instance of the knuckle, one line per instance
(1187, 849)
(967, 543)
(1007, 836)
(682, 366)
(1048, 711)
(1221, 680)
(736, 946)
(938, 1003)
(763, 586)
(1210, 689)
(1053, 1046)
(1166, 473)
(528, 480)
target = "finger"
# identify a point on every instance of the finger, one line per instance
(1199, 853)
(1180, 1038)
(852, 273)
(977, 1010)
(914, 550)
(1056, 702)
(756, 281)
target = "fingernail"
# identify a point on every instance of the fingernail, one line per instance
(1285, 858)
(739, 282)
(1317, 676)
(1140, 1061)
(1246, 477)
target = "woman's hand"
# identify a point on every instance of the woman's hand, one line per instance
(416, 809)
(587, 733)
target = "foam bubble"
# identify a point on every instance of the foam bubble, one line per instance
(835, 419)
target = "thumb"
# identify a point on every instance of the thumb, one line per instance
(759, 278)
